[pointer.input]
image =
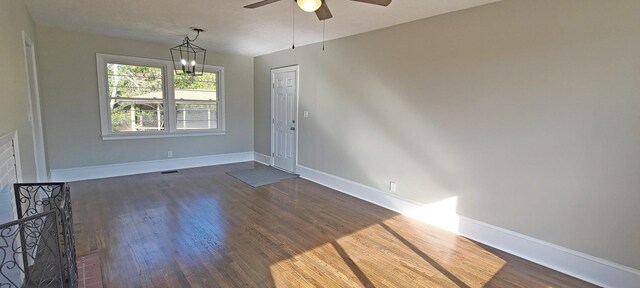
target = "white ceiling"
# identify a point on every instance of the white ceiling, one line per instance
(231, 28)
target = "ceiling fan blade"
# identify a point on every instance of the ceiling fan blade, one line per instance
(375, 2)
(323, 12)
(260, 4)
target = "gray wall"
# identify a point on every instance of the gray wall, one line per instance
(72, 116)
(14, 95)
(527, 111)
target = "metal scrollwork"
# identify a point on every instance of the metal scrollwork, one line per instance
(34, 198)
(30, 255)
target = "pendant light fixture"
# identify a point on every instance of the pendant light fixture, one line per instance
(309, 5)
(188, 58)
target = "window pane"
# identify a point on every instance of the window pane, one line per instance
(201, 88)
(196, 116)
(130, 81)
(131, 116)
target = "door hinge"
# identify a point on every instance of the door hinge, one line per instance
(273, 120)
(273, 85)
(273, 154)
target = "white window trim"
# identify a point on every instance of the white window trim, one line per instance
(169, 99)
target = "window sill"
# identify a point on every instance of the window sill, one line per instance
(123, 136)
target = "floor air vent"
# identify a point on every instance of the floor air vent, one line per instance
(169, 172)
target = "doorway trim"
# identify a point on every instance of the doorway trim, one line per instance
(290, 68)
(35, 111)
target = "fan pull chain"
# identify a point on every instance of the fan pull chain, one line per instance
(323, 28)
(293, 26)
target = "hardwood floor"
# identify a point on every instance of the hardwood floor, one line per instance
(203, 228)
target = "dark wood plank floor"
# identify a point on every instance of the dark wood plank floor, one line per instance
(203, 228)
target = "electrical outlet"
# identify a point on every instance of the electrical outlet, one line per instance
(169, 154)
(306, 114)
(393, 187)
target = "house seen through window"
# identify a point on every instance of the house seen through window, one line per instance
(196, 101)
(136, 98)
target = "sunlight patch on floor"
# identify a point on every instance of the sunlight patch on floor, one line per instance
(386, 255)
(321, 266)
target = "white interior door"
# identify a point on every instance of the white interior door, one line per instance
(283, 117)
(35, 115)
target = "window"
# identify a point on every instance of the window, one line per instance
(135, 97)
(196, 101)
(141, 98)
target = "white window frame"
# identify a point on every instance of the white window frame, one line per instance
(169, 101)
(219, 105)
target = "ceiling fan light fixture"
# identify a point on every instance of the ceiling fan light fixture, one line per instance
(309, 5)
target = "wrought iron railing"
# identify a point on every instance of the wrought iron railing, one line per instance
(34, 198)
(69, 240)
(30, 252)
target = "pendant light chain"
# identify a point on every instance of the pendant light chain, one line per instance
(196, 38)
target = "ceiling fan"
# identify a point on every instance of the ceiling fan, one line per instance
(318, 6)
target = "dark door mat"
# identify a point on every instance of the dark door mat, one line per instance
(257, 177)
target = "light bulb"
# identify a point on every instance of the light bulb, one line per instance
(193, 62)
(309, 5)
(184, 62)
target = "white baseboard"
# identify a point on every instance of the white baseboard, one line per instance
(580, 265)
(261, 158)
(114, 170)
(577, 264)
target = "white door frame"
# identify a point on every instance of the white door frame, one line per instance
(35, 112)
(291, 68)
